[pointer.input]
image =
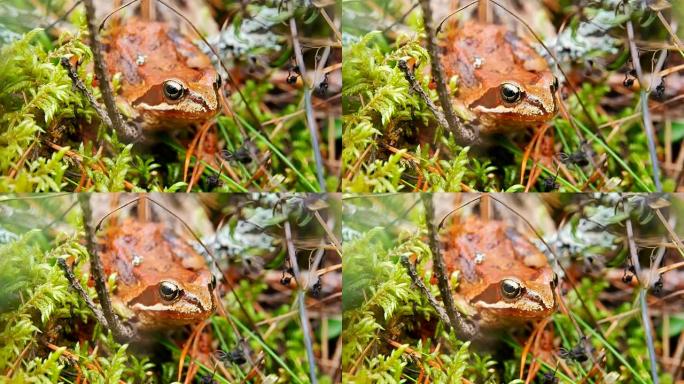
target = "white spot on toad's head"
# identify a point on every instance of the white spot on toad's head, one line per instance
(137, 260)
(477, 63)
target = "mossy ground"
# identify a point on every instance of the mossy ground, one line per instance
(52, 140)
(391, 139)
(49, 335)
(393, 335)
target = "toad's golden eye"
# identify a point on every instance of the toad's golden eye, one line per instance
(510, 288)
(173, 89)
(169, 291)
(510, 92)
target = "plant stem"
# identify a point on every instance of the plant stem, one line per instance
(645, 317)
(310, 120)
(303, 315)
(646, 113)
(413, 83)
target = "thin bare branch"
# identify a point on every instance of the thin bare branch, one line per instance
(73, 281)
(333, 238)
(413, 274)
(78, 84)
(413, 83)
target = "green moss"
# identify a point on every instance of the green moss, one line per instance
(51, 139)
(391, 331)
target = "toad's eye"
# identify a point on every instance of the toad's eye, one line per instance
(510, 288)
(217, 83)
(173, 89)
(510, 92)
(554, 85)
(169, 291)
(212, 284)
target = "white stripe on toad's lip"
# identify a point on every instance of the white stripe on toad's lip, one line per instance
(194, 305)
(505, 109)
(164, 308)
(535, 307)
(189, 105)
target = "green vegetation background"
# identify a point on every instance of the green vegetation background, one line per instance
(42, 319)
(379, 108)
(391, 332)
(38, 105)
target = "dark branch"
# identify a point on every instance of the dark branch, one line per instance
(415, 279)
(78, 84)
(464, 329)
(411, 78)
(120, 330)
(69, 274)
(464, 135)
(126, 132)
